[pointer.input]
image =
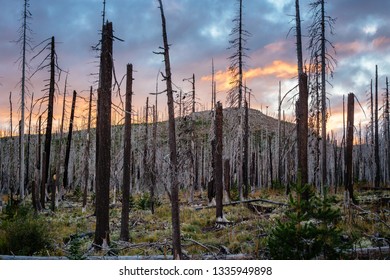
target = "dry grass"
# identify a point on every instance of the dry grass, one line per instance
(245, 234)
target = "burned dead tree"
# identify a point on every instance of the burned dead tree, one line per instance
(103, 140)
(87, 152)
(127, 157)
(49, 124)
(302, 109)
(69, 141)
(218, 168)
(349, 148)
(302, 130)
(376, 134)
(176, 242)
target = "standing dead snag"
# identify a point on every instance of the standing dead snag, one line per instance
(218, 168)
(87, 152)
(127, 157)
(302, 130)
(245, 148)
(69, 142)
(49, 125)
(103, 140)
(302, 109)
(348, 152)
(376, 132)
(177, 254)
(25, 41)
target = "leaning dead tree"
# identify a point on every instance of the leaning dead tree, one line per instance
(177, 253)
(127, 157)
(103, 140)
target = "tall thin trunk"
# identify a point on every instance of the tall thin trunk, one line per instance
(372, 138)
(279, 134)
(87, 151)
(22, 105)
(323, 98)
(11, 153)
(127, 157)
(69, 142)
(218, 169)
(226, 173)
(40, 192)
(387, 129)
(146, 174)
(28, 140)
(302, 130)
(271, 171)
(103, 140)
(245, 146)
(49, 125)
(302, 106)
(177, 253)
(59, 160)
(376, 148)
(240, 58)
(349, 149)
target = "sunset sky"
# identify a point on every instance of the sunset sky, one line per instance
(198, 31)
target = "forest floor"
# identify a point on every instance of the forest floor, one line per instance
(245, 235)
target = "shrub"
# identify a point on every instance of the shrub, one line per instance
(144, 202)
(24, 234)
(308, 230)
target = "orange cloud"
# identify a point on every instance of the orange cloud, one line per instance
(381, 42)
(350, 47)
(277, 68)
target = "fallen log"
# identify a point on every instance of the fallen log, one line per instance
(369, 253)
(244, 201)
(138, 257)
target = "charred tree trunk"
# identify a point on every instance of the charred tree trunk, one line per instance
(302, 105)
(177, 253)
(28, 142)
(376, 144)
(38, 168)
(103, 140)
(153, 170)
(59, 160)
(245, 146)
(146, 169)
(127, 157)
(218, 169)
(69, 142)
(271, 169)
(349, 149)
(387, 129)
(87, 152)
(49, 125)
(323, 98)
(226, 174)
(302, 130)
